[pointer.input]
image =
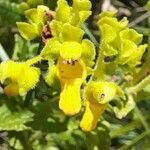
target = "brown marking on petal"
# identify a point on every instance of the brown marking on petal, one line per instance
(46, 33)
(65, 62)
(102, 96)
(50, 14)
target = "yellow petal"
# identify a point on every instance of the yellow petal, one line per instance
(70, 101)
(11, 89)
(22, 76)
(71, 76)
(70, 50)
(91, 115)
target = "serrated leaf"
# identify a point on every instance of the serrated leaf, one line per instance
(98, 140)
(24, 49)
(9, 13)
(14, 120)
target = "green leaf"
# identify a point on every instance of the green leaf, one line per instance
(34, 3)
(47, 117)
(27, 31)
(14, 120)
(24, 49)
(9, 14)
(98, 140)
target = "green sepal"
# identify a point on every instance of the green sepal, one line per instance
(88, 52)
(71, 33)
(51, 49)
(27, 31)
(63, 11)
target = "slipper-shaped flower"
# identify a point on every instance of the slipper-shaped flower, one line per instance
(97, 96)
(71, 75)
(19, 77)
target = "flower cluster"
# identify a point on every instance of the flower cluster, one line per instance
(71, 58)
(118, 39)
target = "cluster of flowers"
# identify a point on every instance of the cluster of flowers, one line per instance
(71, 58)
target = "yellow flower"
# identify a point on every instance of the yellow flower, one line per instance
(19, 77)
(97, 96)
(71, 75)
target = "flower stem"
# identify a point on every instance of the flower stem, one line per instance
(139, 86)
(99, 67)
(34, 60)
